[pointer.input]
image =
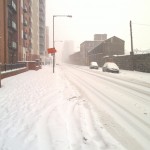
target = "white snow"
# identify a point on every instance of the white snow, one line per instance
(41, 110)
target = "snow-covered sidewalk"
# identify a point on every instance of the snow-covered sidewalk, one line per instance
(40, 110)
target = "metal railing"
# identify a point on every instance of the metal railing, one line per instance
(7, 67)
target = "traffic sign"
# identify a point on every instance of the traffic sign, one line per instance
(51, 50)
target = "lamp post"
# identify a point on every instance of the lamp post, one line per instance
(54, 37)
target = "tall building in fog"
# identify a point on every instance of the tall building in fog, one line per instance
(67, 50)
(47, 58)
(47, 37)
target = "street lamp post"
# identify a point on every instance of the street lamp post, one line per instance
(54, 37)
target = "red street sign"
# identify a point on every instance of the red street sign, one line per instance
(51, 50)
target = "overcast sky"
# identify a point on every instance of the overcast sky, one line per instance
(91, 17)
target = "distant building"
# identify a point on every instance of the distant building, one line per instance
(84, 48)
(47, 58)
(100, 37)
(109, 47)
(97, 50)
(47, 38)
(75, 58)
(87, 46)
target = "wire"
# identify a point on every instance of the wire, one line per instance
(142, 24)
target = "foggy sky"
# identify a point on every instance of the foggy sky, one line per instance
(109, 17)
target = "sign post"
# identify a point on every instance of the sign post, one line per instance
(52, 51)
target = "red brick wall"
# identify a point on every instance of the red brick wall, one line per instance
(2, 31)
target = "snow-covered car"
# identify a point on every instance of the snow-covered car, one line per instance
(110, 67)
(93, 65)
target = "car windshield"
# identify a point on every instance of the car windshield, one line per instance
(94, 63)
(112, 65)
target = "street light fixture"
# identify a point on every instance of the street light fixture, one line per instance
(54, 38)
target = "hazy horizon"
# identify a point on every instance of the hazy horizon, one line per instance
(100, 17)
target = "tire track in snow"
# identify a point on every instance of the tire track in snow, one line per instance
(121, 88)
(74, 77)
(138, 87)
(75, 125)
(136, 82)
(44, 136)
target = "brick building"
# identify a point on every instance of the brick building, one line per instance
(26, 29)
(22, 30)
(9, 30)
(87, 46)
(84, 48)
(3, 31)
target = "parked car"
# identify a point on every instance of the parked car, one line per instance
(110, 67)
(93, 65)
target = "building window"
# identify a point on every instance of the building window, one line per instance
(14, 25)
(14, 5)
(25, 9)
(25, 23)
(9, 23)
(25, 36)
(14, 45)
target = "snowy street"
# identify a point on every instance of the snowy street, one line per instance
(75, 109)
(121, 100)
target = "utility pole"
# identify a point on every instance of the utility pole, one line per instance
(131, 53)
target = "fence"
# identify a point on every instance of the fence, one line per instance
(8, 67)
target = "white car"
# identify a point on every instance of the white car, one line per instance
(93, 65)
(110, 67)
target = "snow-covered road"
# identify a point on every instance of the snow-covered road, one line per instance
(122, 102)
(40, 110)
